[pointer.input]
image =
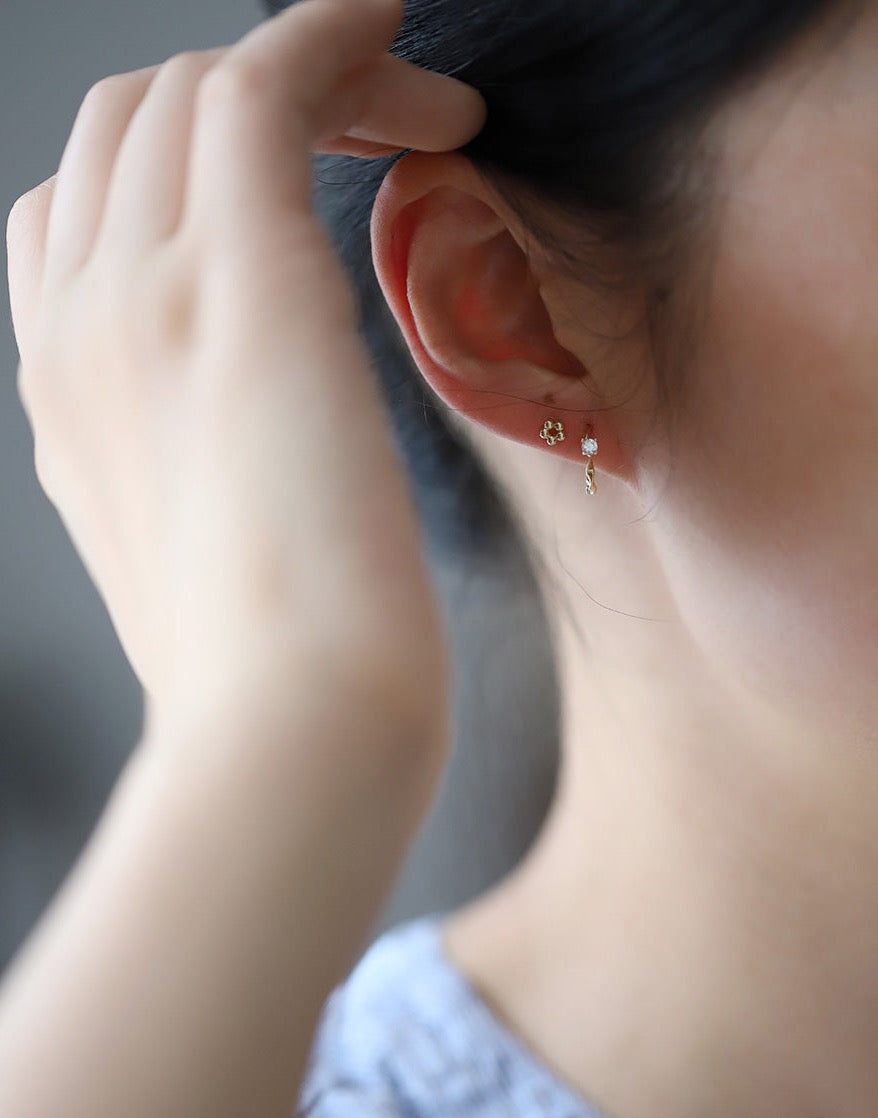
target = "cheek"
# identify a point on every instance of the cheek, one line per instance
(768, 525)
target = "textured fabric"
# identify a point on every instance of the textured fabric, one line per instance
(408, 1036)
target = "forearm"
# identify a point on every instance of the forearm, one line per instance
(182, 968)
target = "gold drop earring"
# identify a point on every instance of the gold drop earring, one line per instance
(590, 449)
(553, 432)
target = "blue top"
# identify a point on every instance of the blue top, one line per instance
(407, 1036)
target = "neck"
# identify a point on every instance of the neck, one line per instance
(696, 924)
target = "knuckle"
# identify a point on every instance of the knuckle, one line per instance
(186, 60)
(30, 377)
(184, 63)
(230, 82)
(105, 89)
(40, 466)
(19, 216)
(32, 393)
(46, 469)
(25, 206)
(23, 385)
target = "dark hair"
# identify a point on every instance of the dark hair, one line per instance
(596, 110)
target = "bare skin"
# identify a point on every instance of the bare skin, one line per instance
(694, 933)
(187, 339)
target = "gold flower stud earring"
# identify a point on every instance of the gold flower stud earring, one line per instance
(553, 432)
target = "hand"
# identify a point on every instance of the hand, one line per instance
(206, 420)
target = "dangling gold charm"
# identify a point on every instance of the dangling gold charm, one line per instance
(550, 438)
(590, 449)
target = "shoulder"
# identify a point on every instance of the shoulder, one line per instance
(408, 1036)
(377, 1045)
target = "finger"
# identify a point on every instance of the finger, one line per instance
(86, 167)
(259, 109)
(408, 107)
(363, 149)
(26, 229)
(145, 195)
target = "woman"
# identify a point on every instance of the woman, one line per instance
(659, 245)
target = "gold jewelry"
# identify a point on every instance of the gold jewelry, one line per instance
(553, 432)
(590, 449)
(547, 432)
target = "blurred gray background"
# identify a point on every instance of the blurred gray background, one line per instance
(70, 707)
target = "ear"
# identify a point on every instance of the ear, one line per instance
(454, 266)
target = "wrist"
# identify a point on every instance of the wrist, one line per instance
(280, 693)
(280, 722)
